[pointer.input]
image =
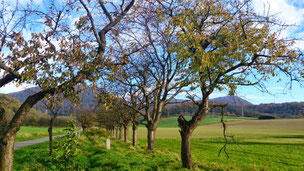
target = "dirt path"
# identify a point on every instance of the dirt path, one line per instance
(32, 142)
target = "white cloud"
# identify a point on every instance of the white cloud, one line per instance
(12, 87)
(285, 11)
(288, 12)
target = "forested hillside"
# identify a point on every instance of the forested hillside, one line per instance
(189, 108)
(34, 118)
(11, 105)
(88, 101)
(283, 110)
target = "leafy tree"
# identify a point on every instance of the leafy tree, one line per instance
(153, 69)
(86, 117)
(227, 44)
(62, 55)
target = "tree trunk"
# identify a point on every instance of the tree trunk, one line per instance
(126, 132)
(186, 149)
(120, 132)
(84, 129)
(113, 132)
(117, 133)
(151, 138)
(7, 144)
(134, 139)
(50, 130)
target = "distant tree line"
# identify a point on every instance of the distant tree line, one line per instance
(189, 109)
(280, 110)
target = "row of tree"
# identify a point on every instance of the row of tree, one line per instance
(141, 53)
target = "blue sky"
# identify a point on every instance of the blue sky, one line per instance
(289, 12)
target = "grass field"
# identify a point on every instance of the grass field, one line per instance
(263, 145)
(171, 122)
(29, 133)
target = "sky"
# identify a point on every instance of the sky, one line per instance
(289, 12)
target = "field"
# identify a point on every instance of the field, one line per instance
(171, 122)
(29, 133)
(262, 145)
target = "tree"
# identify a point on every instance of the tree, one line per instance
(59, 58)
(54, 108)
(226, 44)
(86, 117)
(154, 68)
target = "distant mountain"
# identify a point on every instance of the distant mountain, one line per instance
(87, 97)
(232, 100)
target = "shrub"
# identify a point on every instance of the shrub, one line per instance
(98, 132)
(267, 116)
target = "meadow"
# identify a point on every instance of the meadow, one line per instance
(260, 145)
(30, 132)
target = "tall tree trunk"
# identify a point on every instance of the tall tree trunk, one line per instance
(134, 128)
(151, 137)
(126, 132)
(7, 144)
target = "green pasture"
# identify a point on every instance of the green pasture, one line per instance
(260, 145)
(171, 122)
(281, 129)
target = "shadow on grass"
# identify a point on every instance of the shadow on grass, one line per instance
(289, 136)
(256, 143)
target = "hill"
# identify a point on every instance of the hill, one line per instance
(87, 97)
(232, 100)
(11, 105)
(240, 107)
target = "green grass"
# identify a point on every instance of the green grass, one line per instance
(171, 122)
(30, 133)
(32, 129)
(262, 145)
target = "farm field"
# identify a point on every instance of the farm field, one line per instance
(171, 122)
(262, 145)
(30, 132)
(279, 129)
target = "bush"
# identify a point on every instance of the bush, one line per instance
(267, 116)
(98, 132)
(61, 121)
